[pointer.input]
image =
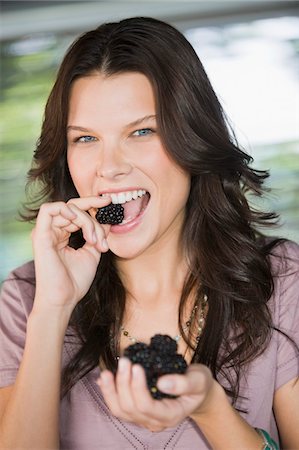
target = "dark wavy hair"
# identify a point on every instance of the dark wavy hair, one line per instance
(228, 257)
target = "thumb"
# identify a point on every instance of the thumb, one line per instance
(197, 380)
(107, 228)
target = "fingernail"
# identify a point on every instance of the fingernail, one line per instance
(137, 370)
(165, 385)
(105, 244)
(123, 365)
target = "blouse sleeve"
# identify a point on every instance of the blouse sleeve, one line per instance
(16, 301)
(287, 316)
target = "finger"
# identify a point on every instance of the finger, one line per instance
(123, 385)
(196, 380)
(142, 397)
(108, 388)
(86, 203)
(101, 233)
(47, 213)
(153, 413)
(98, 237)
(97, 233)
(85, 222)
(92, 204)
(62, 222)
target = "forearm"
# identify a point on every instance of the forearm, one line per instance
(223, 426)
(31, 417)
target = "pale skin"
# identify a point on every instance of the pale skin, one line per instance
(108, 150)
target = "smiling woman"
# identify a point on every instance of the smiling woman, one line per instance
(132, 120)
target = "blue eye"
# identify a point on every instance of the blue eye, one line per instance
(86, 139)
(143, 132)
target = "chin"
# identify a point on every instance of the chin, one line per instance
(128, 249)
(125, 252)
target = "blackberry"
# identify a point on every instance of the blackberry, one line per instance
(112, 214)
(158, 358)
(164, 344)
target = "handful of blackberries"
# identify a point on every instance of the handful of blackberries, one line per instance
(158, 358)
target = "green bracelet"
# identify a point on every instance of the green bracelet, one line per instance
(269, 443)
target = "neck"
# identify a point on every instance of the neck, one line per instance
(154, 281)
(156, 276)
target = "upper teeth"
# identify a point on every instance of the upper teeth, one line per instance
(123, 197)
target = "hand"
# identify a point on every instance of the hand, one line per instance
(63, 274)
(128, 397)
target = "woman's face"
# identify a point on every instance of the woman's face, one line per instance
(114, 147)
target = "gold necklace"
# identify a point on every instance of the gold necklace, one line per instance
(200, 324)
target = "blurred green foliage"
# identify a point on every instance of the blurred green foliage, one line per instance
(26, 80)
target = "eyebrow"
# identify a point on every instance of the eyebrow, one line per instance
(129, 125)
(76, 128)
(142, 119)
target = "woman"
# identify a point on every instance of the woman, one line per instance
(133, 119)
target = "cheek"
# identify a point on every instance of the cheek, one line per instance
(163, 164)
(174, 178)
(179, 184)
(79, 173)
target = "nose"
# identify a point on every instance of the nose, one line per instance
(112, 163)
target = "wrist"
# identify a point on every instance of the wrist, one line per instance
(210, 406)
(222, 425)
(51, 318)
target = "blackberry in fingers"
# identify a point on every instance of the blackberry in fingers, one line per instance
(111, 214)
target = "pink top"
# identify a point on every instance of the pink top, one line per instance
(85, 420)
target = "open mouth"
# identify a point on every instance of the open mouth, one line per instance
(132, 202)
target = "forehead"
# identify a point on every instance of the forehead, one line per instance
(121, 96)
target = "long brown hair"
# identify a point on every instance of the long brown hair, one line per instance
(228, 257)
